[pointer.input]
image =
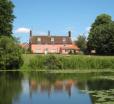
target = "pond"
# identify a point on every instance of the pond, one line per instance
(52, 88)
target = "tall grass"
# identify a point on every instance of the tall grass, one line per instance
(71, 62)
(87, 62)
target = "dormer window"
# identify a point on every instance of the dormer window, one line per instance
(39, 39)
(64, 39)
(52, 39)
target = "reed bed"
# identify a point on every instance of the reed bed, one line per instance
(74, 62)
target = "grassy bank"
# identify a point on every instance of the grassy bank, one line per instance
(63, 62)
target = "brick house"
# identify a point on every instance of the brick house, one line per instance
(52, 44)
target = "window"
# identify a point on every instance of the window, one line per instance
(64, 39)
(52, 39)
(37, 51)
(39, 39)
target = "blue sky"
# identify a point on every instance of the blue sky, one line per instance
(58, 16)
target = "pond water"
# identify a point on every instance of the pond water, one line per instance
(50, 88)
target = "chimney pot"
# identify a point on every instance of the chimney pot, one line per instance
(49, 34)
(69, 33)
(30, 41)
(30, 33)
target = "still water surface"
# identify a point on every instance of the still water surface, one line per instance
(50, 88)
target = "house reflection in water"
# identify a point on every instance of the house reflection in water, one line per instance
(46, 86)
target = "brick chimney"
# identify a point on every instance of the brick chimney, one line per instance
(30, 40)
(30, 33)
(69, 34)
(49, 34)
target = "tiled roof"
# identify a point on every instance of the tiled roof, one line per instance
(73, 46)
(48, 40)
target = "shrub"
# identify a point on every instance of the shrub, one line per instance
(10, 54)
(45, 62)
(53, 62)
(37, 62)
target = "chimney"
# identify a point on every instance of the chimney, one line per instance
(49, 34)
(30, 33)
(30, 40)
(69, 34)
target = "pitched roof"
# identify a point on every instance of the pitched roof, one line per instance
(48, 40)
(73, 46)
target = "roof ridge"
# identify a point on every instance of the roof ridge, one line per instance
(50, 36)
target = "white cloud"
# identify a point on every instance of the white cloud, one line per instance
(22, 30)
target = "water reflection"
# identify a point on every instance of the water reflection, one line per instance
(57, 86)
(10, 87)
(50, 88)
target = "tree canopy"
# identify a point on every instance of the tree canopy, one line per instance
(6, 17)
(81, 42)
(101, 36)
(10, 54)
(102, 20)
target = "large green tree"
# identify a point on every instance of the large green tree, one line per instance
(10, 54)
(102, 20)
(6, 17)
(101, 36)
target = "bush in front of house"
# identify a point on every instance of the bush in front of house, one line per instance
(53, 62)
(45, 62)
(10, 54)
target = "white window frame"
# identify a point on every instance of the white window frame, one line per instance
(52, 39)
(39, 39)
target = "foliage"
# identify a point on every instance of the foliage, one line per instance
(81, 42)
(45, 62)
(6, 17)
(16, 40)
(101, 37)
(102, 20)
(10, 54)
(37, 62)
(71, 62)
(53, 62)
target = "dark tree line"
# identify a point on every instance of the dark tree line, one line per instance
(6, 17)
(10, 52)
(101, 37)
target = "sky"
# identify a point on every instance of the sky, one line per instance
(57, 16)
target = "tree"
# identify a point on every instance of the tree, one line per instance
(101, 36)
(10, 54)
(102, 20)
(81, 42)
(6, 17)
